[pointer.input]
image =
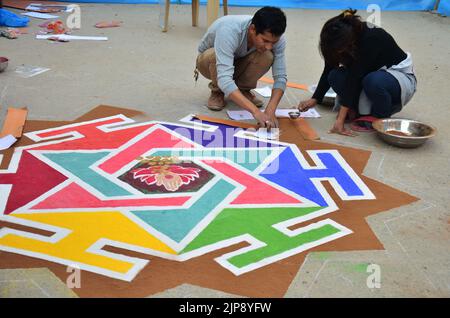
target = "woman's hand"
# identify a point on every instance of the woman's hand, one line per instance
(303, 106)
(339, 128)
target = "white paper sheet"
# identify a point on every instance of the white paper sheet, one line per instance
(262, 133)
(310, 113)
(39, 15)
(239, 114)
(26, 71)
(71, 37)
(331, 93)
(265, 91)
(281, 112)
(39, 6)
(284, 113)
(273, 134)
(7, 141)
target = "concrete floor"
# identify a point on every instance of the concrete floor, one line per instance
(140, 67)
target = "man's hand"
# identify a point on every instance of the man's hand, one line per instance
(273, 118)
(339, 128)
(303, 106)
(264, 120)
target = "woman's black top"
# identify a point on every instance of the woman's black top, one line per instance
(376, 48)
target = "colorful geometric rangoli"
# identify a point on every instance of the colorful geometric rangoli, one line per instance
(132, 203)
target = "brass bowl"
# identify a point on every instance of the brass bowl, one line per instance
(3, 63)
(404, 133)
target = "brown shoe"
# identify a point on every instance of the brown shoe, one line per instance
(250, 96)
(216, 101)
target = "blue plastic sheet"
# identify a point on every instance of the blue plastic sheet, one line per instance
(120, 1)
(402, 5)
(10, 19)
(444, 7)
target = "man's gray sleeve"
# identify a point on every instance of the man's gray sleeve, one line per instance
(225, 45)
(279, 65)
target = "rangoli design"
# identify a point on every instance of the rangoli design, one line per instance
(176, 193)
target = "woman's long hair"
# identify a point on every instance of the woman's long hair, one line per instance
(339, 38)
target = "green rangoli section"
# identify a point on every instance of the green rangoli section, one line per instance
(259, 223)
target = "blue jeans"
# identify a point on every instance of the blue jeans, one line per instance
(381, 88)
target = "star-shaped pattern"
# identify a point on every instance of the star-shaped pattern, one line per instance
(274, 197)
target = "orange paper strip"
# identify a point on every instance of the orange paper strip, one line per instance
(107, 24)
(307, 132)
(289, 84)
(14, 122)
(228, 122)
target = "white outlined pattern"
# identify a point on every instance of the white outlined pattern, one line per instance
(138, 264)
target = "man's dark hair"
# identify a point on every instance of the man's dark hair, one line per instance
(270, 19)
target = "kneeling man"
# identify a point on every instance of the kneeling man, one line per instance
(236, 51)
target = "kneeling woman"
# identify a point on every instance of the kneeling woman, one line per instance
(371, 74)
